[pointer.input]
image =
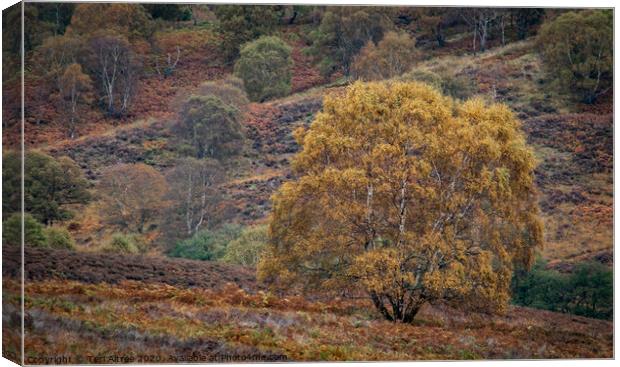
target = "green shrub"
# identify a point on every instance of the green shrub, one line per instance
(50, 185)
(541, 288)
(207, 244)
(247, 248)
(592, 289)
(125, 244)
(59, 238)
(577, 50)
(239, 24)
(33, 231)
(586, 291)
(211, 126)
(265, 68)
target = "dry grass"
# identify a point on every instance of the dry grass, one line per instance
(134, 318)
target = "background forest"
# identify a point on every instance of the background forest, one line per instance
(161, 140)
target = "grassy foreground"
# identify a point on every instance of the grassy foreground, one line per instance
(150, 322)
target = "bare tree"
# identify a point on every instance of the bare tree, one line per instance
(75, 90)
(169, 64)
(481, 20)
(55, 54)
(132, 197)
(502, 26)
(115, 66)
(194, 192)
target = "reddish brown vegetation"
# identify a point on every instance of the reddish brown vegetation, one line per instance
(605, 257)
(588, 136)
(270, 126)
(111, 268)
(149, 318)
(574, 176)
(155, 93)
(129, 304)
(305, 74)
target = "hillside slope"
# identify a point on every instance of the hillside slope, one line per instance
(574, 145)
(93, 268)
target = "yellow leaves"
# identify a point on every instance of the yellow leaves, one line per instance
(451, 278)
(299, 134)
(380, 270)
(503, 179)
(154, 145)
(400, 192)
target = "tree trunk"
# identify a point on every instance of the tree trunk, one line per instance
(110, 93)
(441, 40)
(188, 210)
(74, 102)
(401, 310)
(475, 35)
(56, 30)
(503, 31)
(292, 20)
(409, 315)
(378, 302)
(483, 35)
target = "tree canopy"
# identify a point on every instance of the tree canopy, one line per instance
(577, 48)
(410, 196)
(129, 20)
(133, 196)
(212, 127)
(75, 91)
(265, 68)
(394, 55)
(239, 24)
(344, 31)
(246, 249)
(50, 186)
(33, 231)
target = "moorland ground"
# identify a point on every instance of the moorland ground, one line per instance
(150, 304)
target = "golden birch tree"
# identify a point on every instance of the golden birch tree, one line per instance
(408, 196)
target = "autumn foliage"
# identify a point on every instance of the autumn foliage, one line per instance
(51, 186)
(392, 56)
(313, 182)
(343, 31)
(410, 196)
(75, 92)
(132, 196)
